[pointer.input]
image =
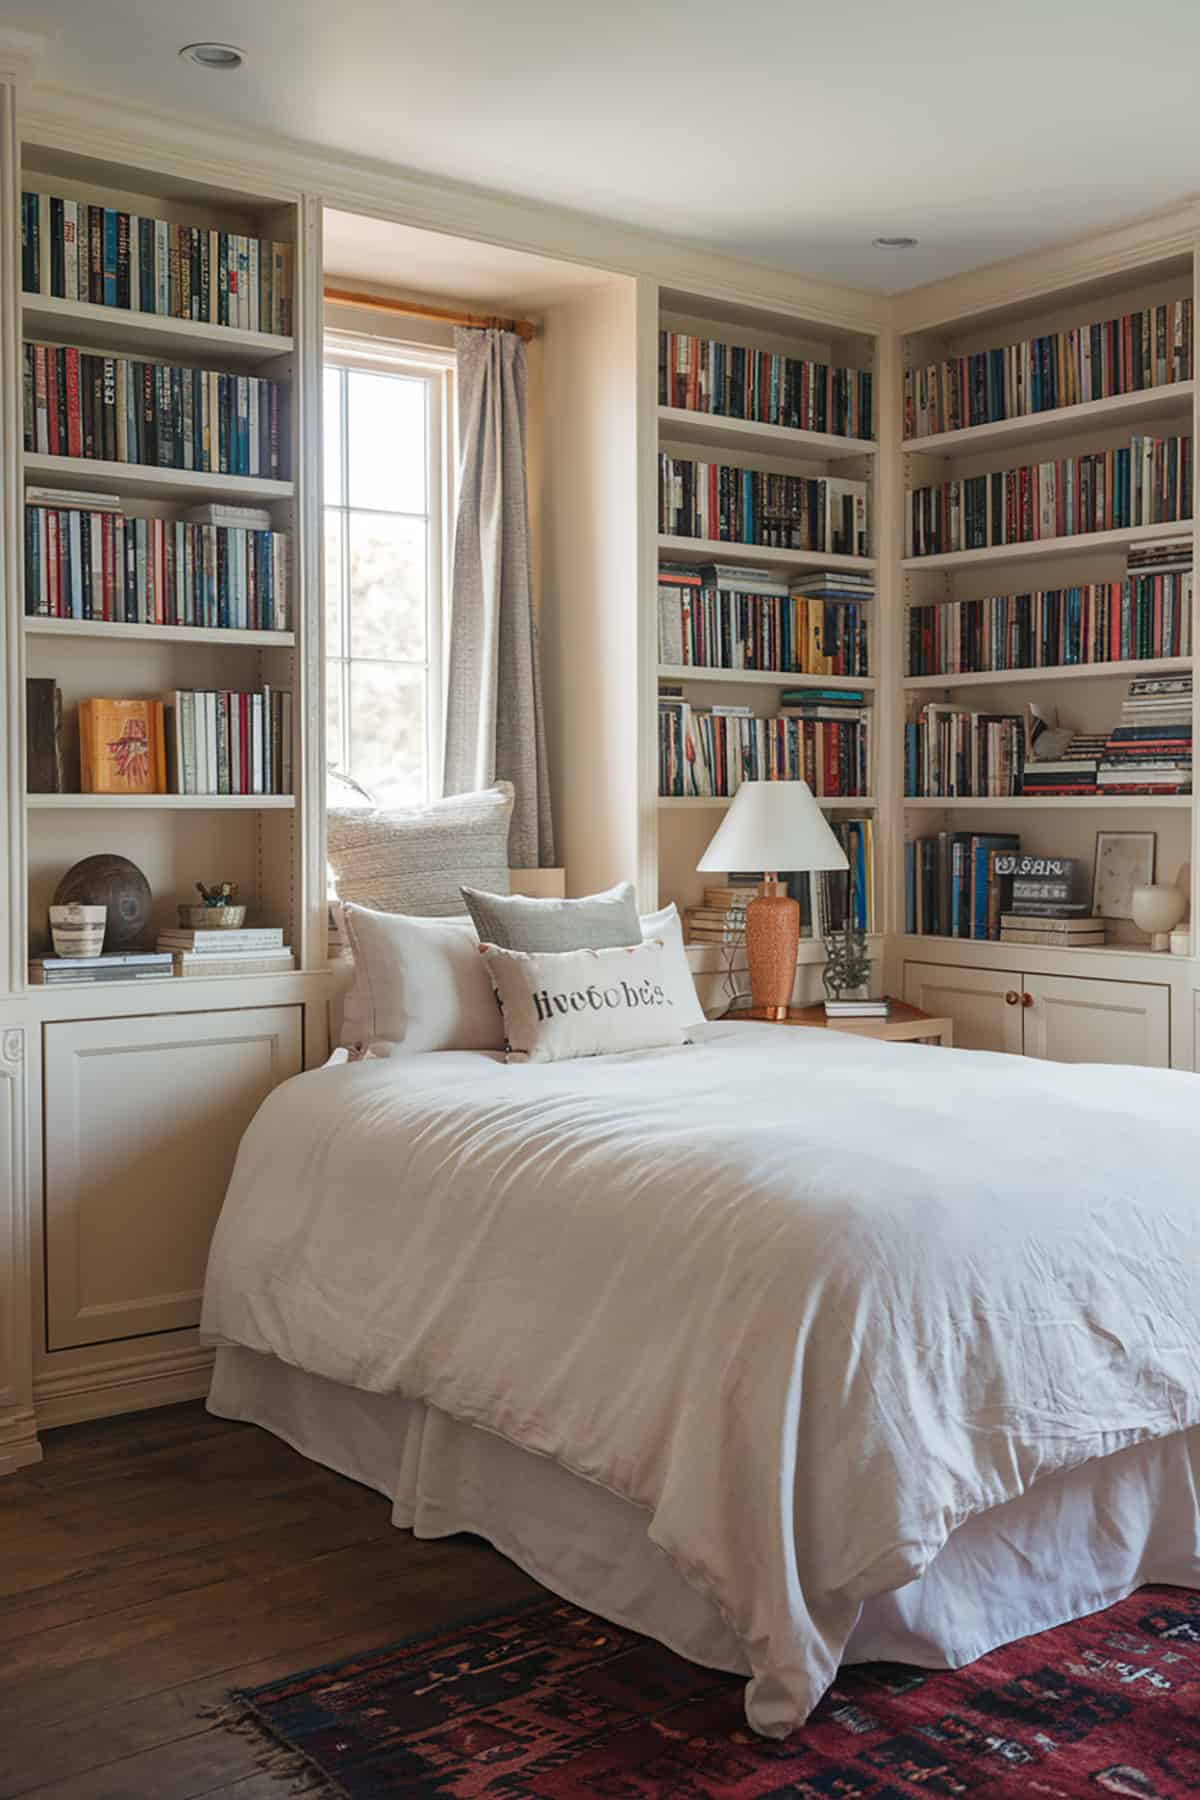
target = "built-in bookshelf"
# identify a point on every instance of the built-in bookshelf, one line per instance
(137, 287)
(791, 403)
(1048, 384)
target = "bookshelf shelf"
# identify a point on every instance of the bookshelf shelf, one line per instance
(1172, 401)
(1082, 544)
(705, 550)
(769, 678)
(49, 319)
(721, 802)
(160, 802)
(157, 634)
(1162, 665)
(139, 481)
(715, 431)
(1054, 803)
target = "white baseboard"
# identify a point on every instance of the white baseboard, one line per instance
(19, 1445)
(131, 1384)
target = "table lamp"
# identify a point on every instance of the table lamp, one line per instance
(773, 825)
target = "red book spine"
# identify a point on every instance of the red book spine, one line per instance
(56, 444)
(74, 417)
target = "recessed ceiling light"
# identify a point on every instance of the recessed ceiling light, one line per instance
(894, 243)
(214, 56)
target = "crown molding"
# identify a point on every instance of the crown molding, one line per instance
(93, 125)
(1167, 232)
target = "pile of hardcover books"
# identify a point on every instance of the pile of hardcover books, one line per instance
(251, 950)
(1049, 903)
(1074, 772)
(722, 918)
(1150, 750)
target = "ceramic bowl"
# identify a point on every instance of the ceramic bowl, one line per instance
(211, 918)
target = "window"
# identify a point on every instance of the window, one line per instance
(387, 512)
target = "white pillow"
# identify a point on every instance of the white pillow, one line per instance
(565, 1003)
(667, 926)
(418, 985)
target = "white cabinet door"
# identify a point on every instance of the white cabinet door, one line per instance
(984, 1005)
(143, 1120)
(1074, 1019)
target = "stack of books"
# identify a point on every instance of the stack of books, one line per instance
(1147, 482)
(74, 251)
(954, 754)
(1075, 933)
(252, 950)
(77, 403)
(1050, 904)
(1074, 772)
(1144, 349)
(91, 971)
(1165, 556)
(722, 918)
(705, 375)
(1150, 750)
(222, 566)
(857, 1009)
(751, 506)
(725, 617)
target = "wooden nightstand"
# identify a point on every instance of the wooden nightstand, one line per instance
(904, 1023)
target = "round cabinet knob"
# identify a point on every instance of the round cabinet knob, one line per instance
(1012, 997)
(1026, 999)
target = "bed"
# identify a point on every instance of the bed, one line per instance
(786, 1348)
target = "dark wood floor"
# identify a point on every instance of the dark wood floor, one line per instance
(151, 1563)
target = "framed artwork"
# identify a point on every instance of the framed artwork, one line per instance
(1124, 861)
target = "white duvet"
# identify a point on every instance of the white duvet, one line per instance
(811, 1301)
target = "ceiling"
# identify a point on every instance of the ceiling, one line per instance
(380, 253)
(786, 131)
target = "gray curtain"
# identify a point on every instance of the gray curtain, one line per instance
(494, 728)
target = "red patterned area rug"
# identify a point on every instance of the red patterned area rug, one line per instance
(549, 1703)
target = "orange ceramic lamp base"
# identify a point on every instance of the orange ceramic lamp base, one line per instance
(772, 940)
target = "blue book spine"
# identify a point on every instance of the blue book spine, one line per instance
(910, 887)
(110, 257)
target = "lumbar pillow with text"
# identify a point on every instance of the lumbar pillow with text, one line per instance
(583, 1002)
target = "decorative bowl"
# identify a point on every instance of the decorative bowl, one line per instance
(211, 918)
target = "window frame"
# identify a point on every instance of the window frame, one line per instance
(349, 350)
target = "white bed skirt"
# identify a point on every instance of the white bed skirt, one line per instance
(1076, 1543)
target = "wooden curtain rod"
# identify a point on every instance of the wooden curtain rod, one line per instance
(524, 328)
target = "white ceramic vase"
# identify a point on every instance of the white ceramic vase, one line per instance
(1158, 910)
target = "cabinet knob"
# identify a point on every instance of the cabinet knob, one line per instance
(1012, 997)
(1026, 999)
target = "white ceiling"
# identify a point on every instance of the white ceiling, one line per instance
(789, 131)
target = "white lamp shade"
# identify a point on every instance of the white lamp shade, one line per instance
(773, 825)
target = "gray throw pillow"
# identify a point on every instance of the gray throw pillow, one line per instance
(605, 921)
(413, 859)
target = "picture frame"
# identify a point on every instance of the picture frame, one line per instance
(1124, 861)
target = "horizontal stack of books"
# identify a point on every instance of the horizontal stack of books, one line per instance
(1149, 614)
(1150, 750)
(734, 382)
(77, 403)
(750, 506)
(722, 918)
(1145, 349)
(1074, 772)
(75, 251)
(93, 971)
(724, 617)
(1148, 483)
(954, 754)
(250, 950)
(710, 753)
(958, 883)
(1050, 904)
(221, 566)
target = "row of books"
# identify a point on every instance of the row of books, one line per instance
(88, 561)
(828, 900)
(1149, 750)
(726, 618)
(1145, 349)
(259, 950)
(710, 753)
(77, 403)
(956, 754)
(958, 884)
(735, 382)
(1102, 621)
(749, 506)
(193, 742)
(76, 251)
(1148, 483)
